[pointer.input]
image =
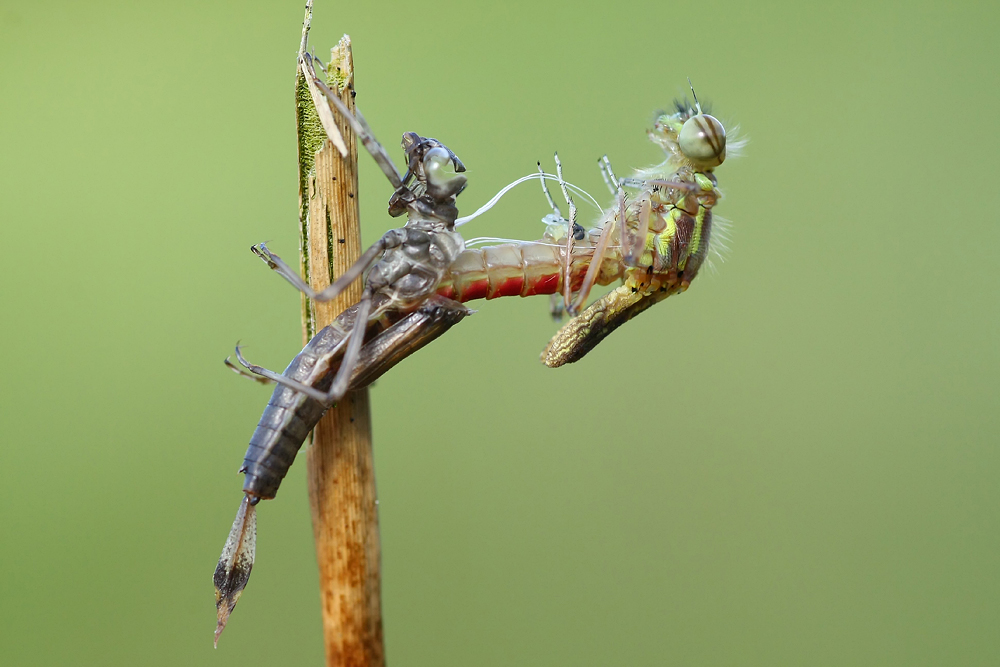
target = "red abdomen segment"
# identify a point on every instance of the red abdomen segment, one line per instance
(518, 269)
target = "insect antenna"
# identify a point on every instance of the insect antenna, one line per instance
(697, 104)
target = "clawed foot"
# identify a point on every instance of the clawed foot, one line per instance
(242, 373)
(269, 258)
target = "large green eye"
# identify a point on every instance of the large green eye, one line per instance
(703, 140)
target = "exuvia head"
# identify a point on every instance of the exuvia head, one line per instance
(443, 180)
(435, 166)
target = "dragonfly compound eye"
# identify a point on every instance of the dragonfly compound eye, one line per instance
(442, 179)
(703, 141)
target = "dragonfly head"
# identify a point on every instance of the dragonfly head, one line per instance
(691, 135)
(702, 140)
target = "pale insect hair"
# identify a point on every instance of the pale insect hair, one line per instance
(719, 244)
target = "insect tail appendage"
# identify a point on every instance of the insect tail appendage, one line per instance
(233, 571)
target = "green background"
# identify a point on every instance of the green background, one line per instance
(795, 463)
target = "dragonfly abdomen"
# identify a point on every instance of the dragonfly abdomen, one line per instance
(518, 269)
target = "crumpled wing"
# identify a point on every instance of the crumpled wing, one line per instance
(582, 333)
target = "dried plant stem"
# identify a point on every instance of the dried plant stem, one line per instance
(340, 461)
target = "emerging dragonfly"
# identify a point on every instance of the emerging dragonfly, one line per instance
(655, 241)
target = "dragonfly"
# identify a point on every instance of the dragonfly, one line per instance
(654, 240)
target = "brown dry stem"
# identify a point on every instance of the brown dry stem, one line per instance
(340, 461)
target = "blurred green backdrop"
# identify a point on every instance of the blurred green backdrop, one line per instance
(795, 463)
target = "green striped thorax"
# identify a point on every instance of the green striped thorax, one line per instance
(676, 197)
(659, 234)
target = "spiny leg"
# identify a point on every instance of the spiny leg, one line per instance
(620, 219)
(557, 301)
(575, 228)
(391, 239)
(311, 392)
(316, 59)
(357, 123)
(645, 208)
(243, 373)
(323, 110)
(595, 262)
(657, 182)
(556, 307)
(607, 174)
(570, 233)
(634, 244)
(548, 197)
(342, 382)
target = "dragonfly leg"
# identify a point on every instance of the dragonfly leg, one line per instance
(596, 261)
(548, 197)
(243, 373)
(634, 243)
(571, 234)
(279, 378)
(604, 164)
(556, 307)
(657, 182)
(391, 239)
(342, 381)
(357, 123)
(576, 228)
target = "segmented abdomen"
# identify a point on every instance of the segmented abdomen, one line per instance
(291, 415)
(521, 269)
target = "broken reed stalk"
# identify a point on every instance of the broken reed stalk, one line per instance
(341, 467)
